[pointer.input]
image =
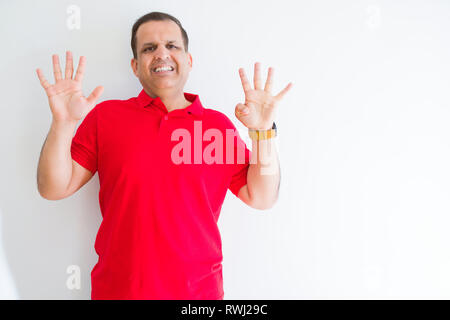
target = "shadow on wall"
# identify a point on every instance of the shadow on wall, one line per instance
(8, 289)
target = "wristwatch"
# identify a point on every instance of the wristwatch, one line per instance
(263, 134)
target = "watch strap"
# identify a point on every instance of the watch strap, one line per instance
(263, 134)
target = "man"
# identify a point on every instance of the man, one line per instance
(160, 198)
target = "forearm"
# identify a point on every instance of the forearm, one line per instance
(263, 177)
(55, 162)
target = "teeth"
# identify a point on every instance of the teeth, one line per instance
(163, 69)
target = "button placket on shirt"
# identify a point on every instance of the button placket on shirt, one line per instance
(162, 124)
(166, 117)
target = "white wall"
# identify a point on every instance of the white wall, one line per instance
(363, 139)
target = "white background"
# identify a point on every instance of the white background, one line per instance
(364, 208)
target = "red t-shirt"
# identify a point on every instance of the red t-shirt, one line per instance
(159, 237)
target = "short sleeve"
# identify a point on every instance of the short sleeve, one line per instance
(84, 144)
(240, 165)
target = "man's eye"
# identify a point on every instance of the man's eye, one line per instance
(151, 48)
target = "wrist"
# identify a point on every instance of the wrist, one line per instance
(257, 134)
(264, 128)
(63, 125)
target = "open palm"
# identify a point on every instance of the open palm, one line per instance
(65, 97)
(258, 110)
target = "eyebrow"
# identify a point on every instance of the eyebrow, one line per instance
(152, 43)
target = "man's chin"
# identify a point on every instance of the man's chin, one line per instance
(158, 88)
(161, 83)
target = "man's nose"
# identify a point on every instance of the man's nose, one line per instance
(162, 53)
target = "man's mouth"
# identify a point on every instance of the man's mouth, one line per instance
(163, 69)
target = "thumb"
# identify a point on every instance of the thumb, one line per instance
(241, 110)
(93, 97)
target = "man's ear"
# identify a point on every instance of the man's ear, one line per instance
(190, 59)
(134, 66)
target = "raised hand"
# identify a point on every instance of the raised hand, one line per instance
(65, 97)
(258, 111)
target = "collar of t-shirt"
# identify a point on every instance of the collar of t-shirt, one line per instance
(196, 108)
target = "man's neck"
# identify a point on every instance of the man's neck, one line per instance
(172, 101)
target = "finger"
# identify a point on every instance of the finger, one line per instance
(245, 84)
(44, 83)
(241, 111)
(93, 97)
(268, 86)
(80, 70)
(256, 76)
(280, 96)
(56, 67)
(69, 65)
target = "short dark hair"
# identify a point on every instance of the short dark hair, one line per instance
(156, 16)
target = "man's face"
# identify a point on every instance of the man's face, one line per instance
(162, 64)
